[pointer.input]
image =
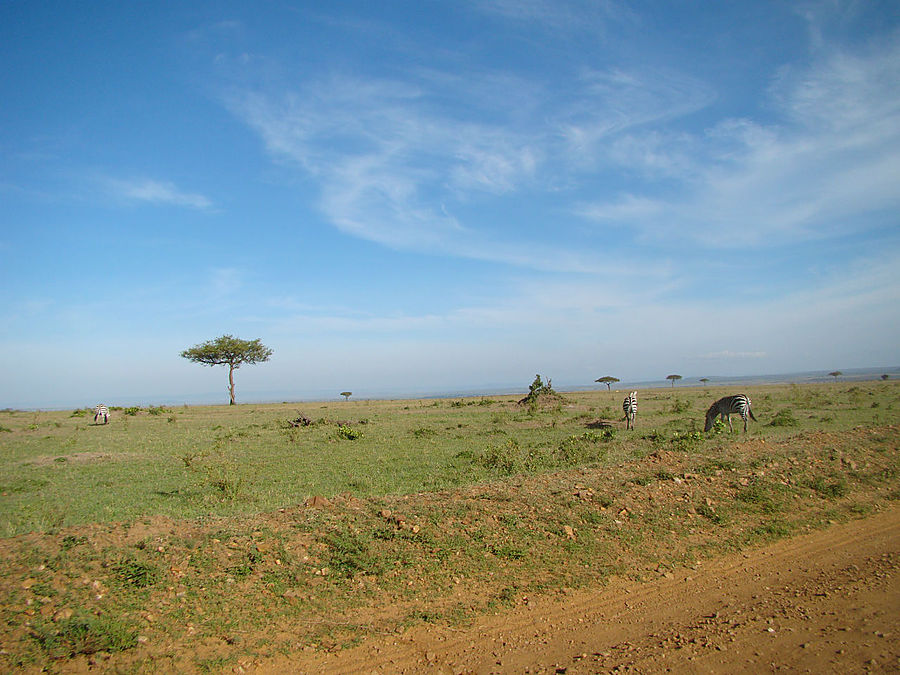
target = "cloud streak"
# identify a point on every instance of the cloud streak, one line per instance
(159, 193)
(398, 167)
(834, 157)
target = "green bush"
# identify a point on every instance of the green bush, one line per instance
(687, 441)
(680, 405)
(784, 418)
(349, 433)
(505, 459)
(580, 448)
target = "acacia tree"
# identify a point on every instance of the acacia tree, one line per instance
(704, 380)
(346, 395)
(231, 351)
(607, 380)
(835, 374)
(673, 378)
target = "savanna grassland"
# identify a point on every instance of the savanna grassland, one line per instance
(213, 538)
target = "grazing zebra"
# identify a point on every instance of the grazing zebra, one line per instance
(101, 411)
(629, 405)
(724, 407)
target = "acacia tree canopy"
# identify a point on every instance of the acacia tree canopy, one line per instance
(673, 378)
(607, 380)
(228, 350)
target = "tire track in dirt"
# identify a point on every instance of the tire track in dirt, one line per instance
(824, 602)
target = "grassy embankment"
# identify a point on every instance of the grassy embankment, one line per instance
(436, 510)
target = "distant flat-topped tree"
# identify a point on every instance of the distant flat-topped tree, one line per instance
(673, 378)
(228, 350)
(346, 395)
(607, 380)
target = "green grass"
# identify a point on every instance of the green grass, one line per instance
(454, 508)
(60, 469)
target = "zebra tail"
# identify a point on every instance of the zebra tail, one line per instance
(752, 416)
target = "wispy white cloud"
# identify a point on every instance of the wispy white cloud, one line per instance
(834, 158)
(156, 192)
(396, 166)
(571, 17)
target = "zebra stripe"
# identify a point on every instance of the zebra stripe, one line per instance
(629, 406)
(101, 411)
(725, 407)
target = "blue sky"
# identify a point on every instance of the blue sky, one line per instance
(424, 196)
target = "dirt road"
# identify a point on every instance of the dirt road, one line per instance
(826, 602)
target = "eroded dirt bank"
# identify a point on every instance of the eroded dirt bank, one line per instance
(826, 602)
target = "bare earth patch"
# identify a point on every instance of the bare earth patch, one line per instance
(826, 602)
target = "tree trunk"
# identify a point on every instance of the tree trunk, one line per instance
(231, 382)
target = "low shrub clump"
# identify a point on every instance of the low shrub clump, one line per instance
(784, 418)
(349, 433)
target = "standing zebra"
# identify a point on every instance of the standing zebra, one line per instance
(101, 411)
(629, 405)
(724, 407)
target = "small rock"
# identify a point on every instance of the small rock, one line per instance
(63, 614)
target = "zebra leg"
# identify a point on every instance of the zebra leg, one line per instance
(730, 427)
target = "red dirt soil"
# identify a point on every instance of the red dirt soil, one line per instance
(825, 602)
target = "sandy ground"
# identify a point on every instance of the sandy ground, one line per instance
(826, 602)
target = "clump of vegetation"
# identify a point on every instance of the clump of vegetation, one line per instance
(784, 418)
(680, 405)
(300, 421)
(136, 573)
(349, 433)
(718, 427)
(581, 448)
(133, 410)
(540, 393)
(82, 412)
(231, 487)
(83, 634)
(462, 403)
(509, 458)
(685, 442)
(834, 489)
(350, 553)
